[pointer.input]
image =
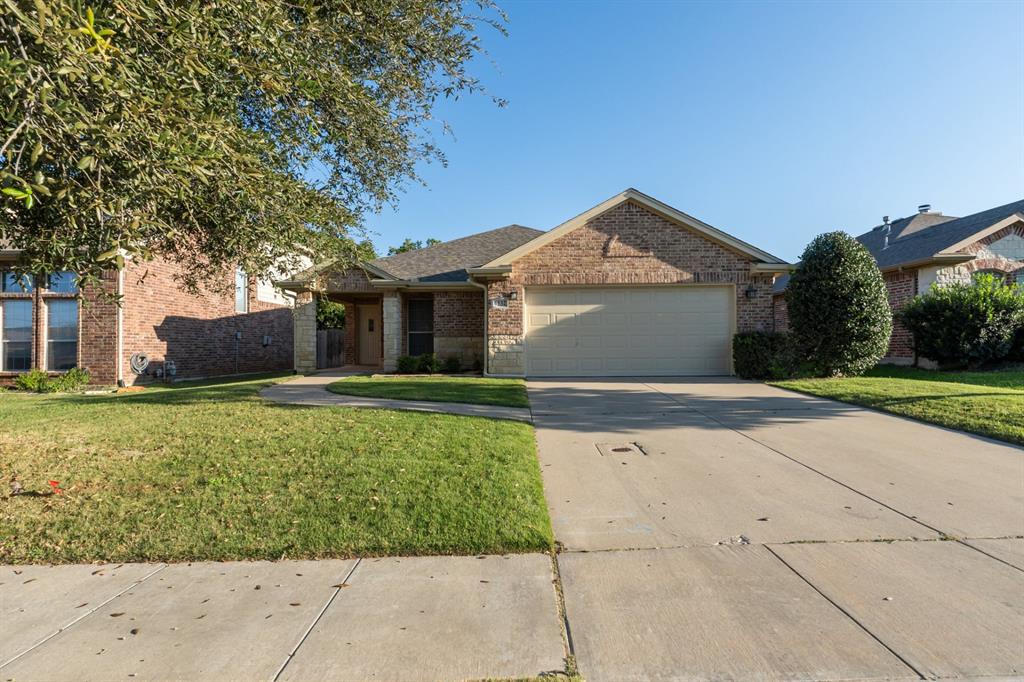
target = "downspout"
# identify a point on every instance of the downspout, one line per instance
(120, 327)
(487, 353)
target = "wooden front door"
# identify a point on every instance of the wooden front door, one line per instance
(368, 318)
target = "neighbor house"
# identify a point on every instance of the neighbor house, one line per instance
(629, 287)
(928, 249)
(158, 332)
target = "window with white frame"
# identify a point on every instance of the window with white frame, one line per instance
(241, 291)
(16, 335)
(61, 334)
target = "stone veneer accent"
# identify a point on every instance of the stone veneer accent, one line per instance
(304, 323)
(628, 244)
(468, 349)
(391, 329)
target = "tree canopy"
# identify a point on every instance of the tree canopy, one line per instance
(217, 133)
(410, 245)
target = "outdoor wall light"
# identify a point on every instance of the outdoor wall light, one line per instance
(750, 291)
(513, 295)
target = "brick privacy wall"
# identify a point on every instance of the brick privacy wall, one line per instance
(780, 313)
(902, 286)
(631, 245)
(197, 331)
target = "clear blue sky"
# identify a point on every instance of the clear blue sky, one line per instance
(772, 121)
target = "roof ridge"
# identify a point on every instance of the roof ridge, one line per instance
(456, 240)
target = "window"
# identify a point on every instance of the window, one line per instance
(61, 335)
(421, 326)
(63, 283)
(10, 283)
(15, 336)
(241, 291)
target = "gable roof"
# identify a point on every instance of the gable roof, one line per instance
(920, 238)
(930, 237)
(449, 261)
(652, 204)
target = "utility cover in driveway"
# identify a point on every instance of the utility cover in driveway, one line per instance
(629, 331)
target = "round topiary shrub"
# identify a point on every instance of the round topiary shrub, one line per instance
(838, 306)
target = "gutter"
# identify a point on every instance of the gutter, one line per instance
(120, 327)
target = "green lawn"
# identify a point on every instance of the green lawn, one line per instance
(987, 403)
(472, 390)
(212, 471)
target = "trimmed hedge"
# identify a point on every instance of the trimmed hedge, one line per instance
(838, 307)
(764, 355)
(968, 324)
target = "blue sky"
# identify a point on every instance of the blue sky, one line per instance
(772, 121)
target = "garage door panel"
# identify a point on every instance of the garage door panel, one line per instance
(622, 332)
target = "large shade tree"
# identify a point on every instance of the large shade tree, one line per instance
(218, 132)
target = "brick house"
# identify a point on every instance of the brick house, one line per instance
(47, 323)
(929, 248)
(631, 286)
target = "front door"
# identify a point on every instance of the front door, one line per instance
(368, 317)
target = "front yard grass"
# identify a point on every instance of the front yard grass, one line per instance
(214, 472)
(445, 389)
(986, 403)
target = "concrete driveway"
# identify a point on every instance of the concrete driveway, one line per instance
(717, 528)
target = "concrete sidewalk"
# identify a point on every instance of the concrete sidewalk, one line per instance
(425, 618)
(311, 390)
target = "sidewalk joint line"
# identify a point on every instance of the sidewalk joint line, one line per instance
(84, 615)
(568, 646)
(847, 614)
(295, 649)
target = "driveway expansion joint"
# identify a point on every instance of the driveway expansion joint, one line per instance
(849, 615)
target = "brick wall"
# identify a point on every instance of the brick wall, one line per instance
(902, 286)
(459, 313)
(197, 331)
(97, 340)
(628, 244)
(780, 313)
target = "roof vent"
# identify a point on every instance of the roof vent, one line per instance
(886, 229)
(924, 208)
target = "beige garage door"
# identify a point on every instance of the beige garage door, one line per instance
(636, 331)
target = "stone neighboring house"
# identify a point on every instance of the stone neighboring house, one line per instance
(47, 323)
(629, 287)
(928, 248)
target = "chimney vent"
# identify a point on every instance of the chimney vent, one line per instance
(886, 229)
(924, 208)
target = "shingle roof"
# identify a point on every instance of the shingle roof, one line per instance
(922, 236)
(448, 261)
(911, 243)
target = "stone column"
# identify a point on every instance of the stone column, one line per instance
(391, 327)
(305, 332)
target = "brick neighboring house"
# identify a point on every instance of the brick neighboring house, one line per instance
(630, 287)
(52, 325)
(928, 248)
